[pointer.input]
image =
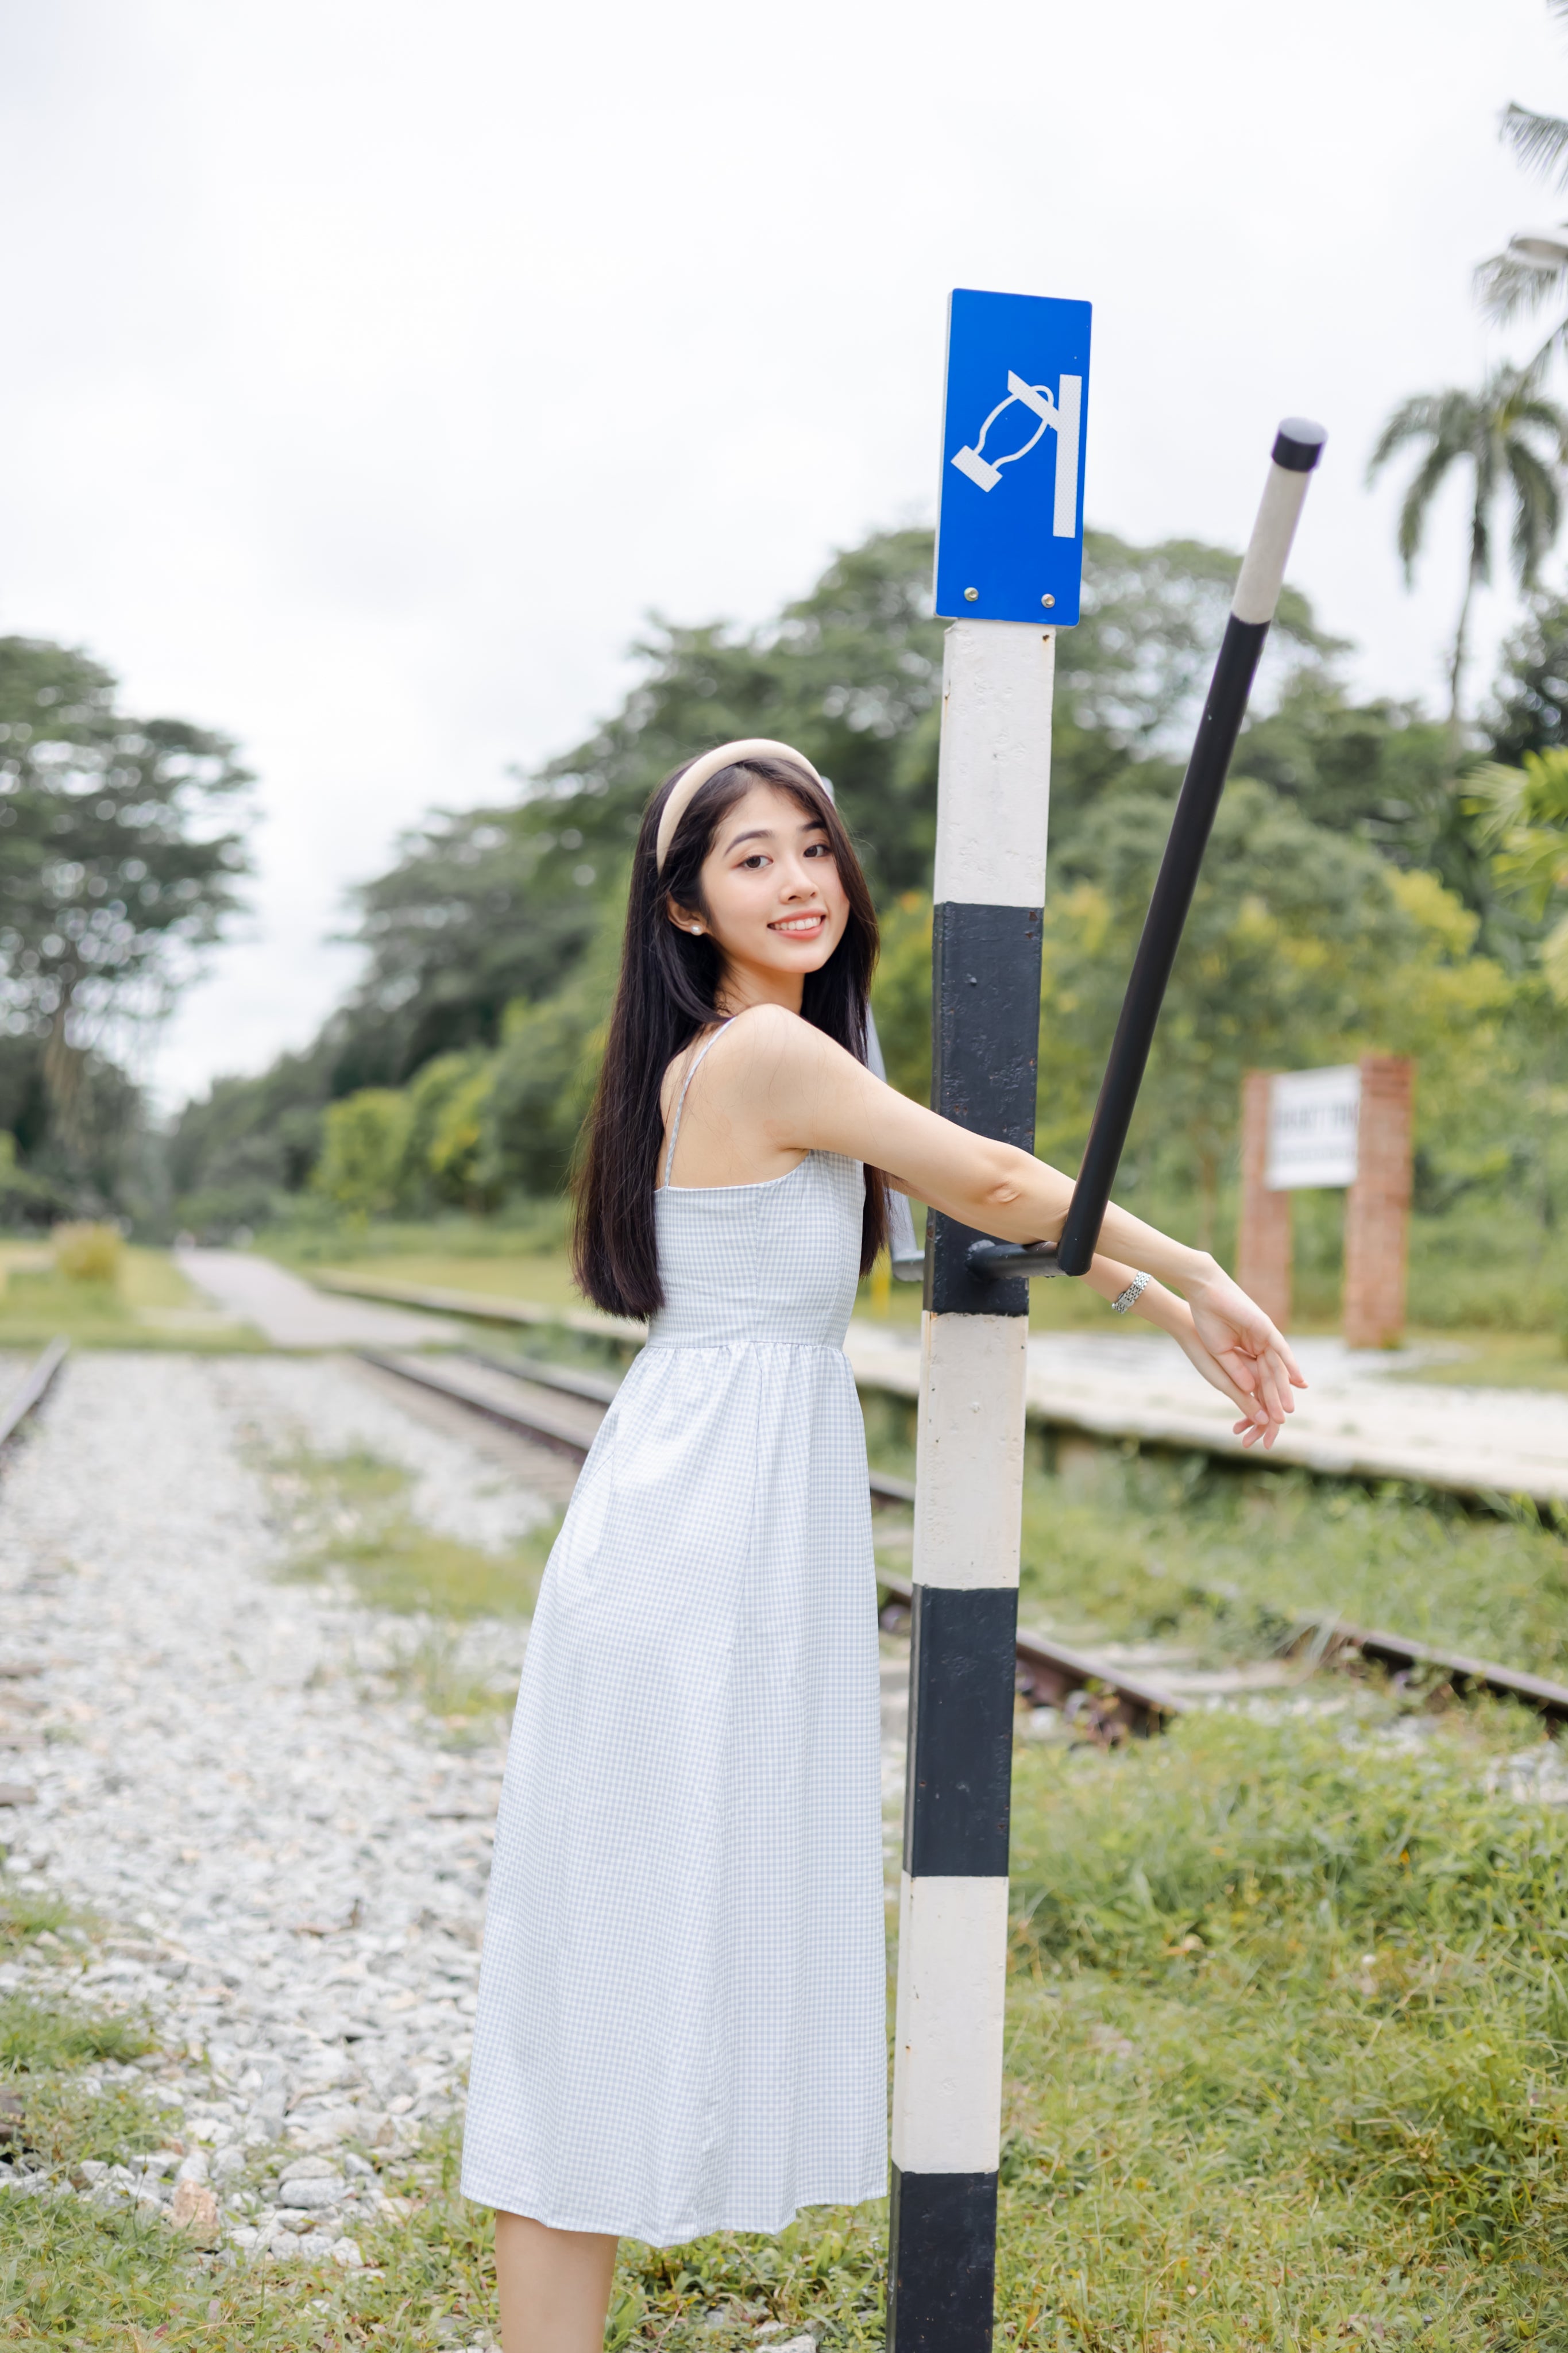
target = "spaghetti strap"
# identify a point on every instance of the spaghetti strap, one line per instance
(680, 1100)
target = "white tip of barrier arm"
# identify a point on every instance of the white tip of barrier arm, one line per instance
(1297, 446)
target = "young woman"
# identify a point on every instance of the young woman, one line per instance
(682, 2017)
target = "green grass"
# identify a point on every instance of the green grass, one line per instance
(350, 1512)
(73, 2275)
(347, 1516)
(151, 1306)
(1287, 2064)
(1147, 1548)
(1288, 2040)
(38, 2036)
(1500, 1360)
(1223, 1559)
(27, 1912)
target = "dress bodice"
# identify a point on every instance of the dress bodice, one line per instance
(774, 1262)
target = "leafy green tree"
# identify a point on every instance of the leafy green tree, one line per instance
(847, 672)
(543, 1077)
(364, 1149)
(116, 868)
(1529, 708)
(442, 1155)
(493, 906)
(495, 932)
(1512, 440)
(1523, 815)
(484, 907)
(1382, 770)
(1131, 677)
(1525, 824)
(1302, 947)
(901, 994)
(234, 1153)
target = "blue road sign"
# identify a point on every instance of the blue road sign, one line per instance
(1009, 544)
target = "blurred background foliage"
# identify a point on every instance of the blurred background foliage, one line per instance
(1358, 894)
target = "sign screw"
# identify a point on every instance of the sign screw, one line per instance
(972, 595)
(1047, 600)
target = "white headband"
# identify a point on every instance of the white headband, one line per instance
(691, 781)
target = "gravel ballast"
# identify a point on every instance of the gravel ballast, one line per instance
(290, 1862)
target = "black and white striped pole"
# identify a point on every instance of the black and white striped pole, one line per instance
(1008, 563)
(989, 893)
(993, 791)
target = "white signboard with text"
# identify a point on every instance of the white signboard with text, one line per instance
(1313, 1116)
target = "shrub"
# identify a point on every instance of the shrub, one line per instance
(89, 1253)
(366, 1142)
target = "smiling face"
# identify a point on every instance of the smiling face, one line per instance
(775, 905)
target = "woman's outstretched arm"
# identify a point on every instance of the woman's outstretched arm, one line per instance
(806, 1093)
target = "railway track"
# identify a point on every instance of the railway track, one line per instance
(561, 1408)
(32, 1389)
(558, 1407)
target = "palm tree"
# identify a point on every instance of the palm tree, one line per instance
(1497, 433)
(1533, 268)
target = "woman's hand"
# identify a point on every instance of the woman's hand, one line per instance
(1236, 1348)
(1255, 1424)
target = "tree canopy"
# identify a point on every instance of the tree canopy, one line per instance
(468, 1050)
(120, 857)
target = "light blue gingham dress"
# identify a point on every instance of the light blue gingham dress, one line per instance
(681, 2010)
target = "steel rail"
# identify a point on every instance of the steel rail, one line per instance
(1050, 1674)
(1334, 1637)
(32, 1389)
(528, 1417)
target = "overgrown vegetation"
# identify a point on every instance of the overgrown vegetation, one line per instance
(144, 1303)
(1225, 1560)
(1287, 2041)
(1351, 900)
(1187, 1551)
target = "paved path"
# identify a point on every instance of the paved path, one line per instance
(294, 1314)
(1352, 1420)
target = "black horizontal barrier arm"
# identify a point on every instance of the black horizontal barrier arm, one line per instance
(1297, 448)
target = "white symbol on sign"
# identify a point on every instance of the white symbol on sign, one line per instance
(1061, 413)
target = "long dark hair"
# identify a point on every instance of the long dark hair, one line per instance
(667, 992)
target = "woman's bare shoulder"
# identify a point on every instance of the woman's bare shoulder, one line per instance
(769, 1041)
(765, 1038)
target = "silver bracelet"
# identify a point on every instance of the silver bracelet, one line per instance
(1132, 1295)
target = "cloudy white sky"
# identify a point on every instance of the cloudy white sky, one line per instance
(372, 370)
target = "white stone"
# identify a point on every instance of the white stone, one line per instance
(311, 2196)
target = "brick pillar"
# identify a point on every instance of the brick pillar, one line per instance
(1263, 1240)
(1377, 1207)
